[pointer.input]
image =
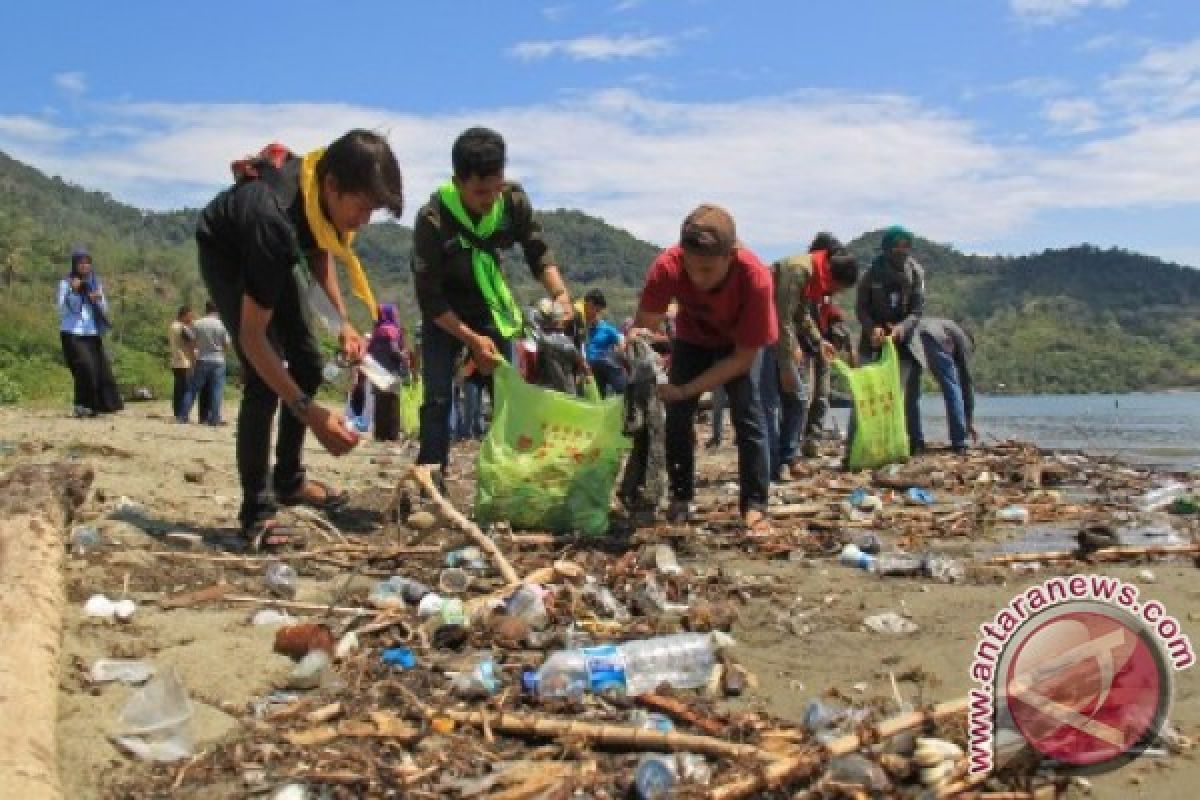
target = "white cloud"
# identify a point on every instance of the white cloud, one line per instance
(785, 165)
(1037, 86)
(595, 48)
(1046, 12)
(626, 5)
(556, 13)
(71, 82)
(1164, 82)
(1074, 116)
(19, 127)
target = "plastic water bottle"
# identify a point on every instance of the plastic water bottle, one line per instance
(683, 661)
(280, 579)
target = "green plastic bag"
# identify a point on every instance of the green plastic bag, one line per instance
(549, 460)
(880, 435)
(411, 397)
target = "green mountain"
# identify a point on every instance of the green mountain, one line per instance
(1080, 319)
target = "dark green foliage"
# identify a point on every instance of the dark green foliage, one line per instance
(1080, 319)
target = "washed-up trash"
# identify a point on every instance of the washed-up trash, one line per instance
(292, 791)
(1014, 514)
(310, 671)
(131, 673)
(1162, 497)
(665, 560)
(271, 616)
(84, 539)
(528, 604)
(100, 607)
(898, 564)
(430, 605)
(454, 580)
(656, 776)
(345, 645)
(870, 543)
(1188, 504)
(481, 681)
(400, 657)
(852, 556)
(682, 661)
(858, 770)
(890, 622)
(651, 721)
(154, 724)
(467, 558)
(297, 641)
(126, 505)
(918, 496)
(280, 579)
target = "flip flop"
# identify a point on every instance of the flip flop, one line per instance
(270, 534)
(331, 499)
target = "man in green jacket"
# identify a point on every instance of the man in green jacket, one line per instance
(461, 290)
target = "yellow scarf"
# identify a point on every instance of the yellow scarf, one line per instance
(327, 236)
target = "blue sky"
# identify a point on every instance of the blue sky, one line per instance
(1000, 126)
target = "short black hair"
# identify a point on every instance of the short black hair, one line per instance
(478, 152)
(183, 311)
(596, 298)
(843, 267)
(825, 241)
(209, 306)
(361, 161)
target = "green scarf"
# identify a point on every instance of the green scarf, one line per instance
(505, 312)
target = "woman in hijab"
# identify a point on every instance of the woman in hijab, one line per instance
(387, 347)
(83, 320)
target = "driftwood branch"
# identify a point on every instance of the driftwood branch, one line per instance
(421, 475)
(791, 768)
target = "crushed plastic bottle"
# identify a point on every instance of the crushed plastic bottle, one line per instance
(651, 721)
(280, 579)
(898, 564)
(851, 556)
(944, 569)
(527, 603)
(84, 539)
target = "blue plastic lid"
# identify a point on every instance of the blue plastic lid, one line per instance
(401, 657)
(529, 681)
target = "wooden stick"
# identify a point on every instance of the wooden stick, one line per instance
(960, 786)
(604, 733)
(189, 599)
(421, 475)
(362, 550)
(680, 711)
(785, 770)
(1104, 554)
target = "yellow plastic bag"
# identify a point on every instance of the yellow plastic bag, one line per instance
(549, 460)
(880, 435)
(411, 397)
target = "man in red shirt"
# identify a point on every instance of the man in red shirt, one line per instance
(726, 317)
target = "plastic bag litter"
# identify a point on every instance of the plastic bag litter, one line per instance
(155, 723)
(130, 673)
(880, 435)
(890, 622)
(549, 460)
(411, 397)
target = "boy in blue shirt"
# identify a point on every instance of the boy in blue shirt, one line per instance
(604, 344)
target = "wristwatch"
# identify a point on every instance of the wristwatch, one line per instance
(300, 406)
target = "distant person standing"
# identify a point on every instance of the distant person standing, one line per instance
(387, 347)
(286, 210)
(208, 375)
(464, 298)
(945, 349)
(181, 341)
(726, 317)
(83, 321)
(891, 300)
(604, 345)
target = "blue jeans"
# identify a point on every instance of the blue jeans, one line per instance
(610, 377)
(471, 426)
(688, 361)
(207, 383)
(439, 358)
(945, 371)
(783, 410)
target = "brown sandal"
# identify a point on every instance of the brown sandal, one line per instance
(271, 534)
(330, 499)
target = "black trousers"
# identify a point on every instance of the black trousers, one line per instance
(95, 387)
(292, 337)
(179, 392)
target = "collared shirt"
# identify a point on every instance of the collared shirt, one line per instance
(211, 339)
(75, 311)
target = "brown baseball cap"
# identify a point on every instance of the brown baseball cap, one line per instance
(708, 231)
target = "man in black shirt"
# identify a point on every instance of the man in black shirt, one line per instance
(464, 299)
(251, 239)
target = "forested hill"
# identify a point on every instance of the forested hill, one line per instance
(1080, 319)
